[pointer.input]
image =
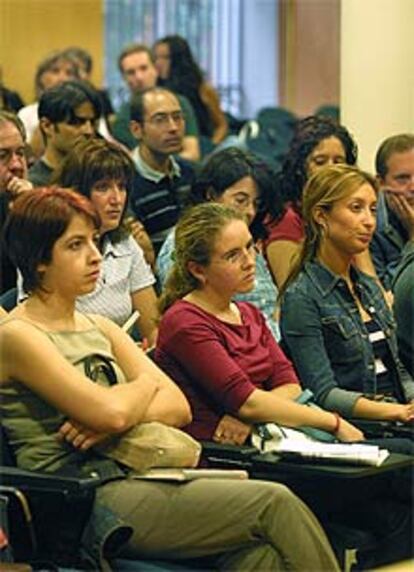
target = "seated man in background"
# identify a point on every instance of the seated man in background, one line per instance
(163, 181)
(51, 71)
(13, 180)
(84, 62)
(395, 216)
(138, 70)
(65, 111)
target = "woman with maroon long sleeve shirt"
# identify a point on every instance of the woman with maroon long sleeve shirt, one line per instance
(221, 353)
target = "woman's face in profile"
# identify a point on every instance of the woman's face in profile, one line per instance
(75, 265)
(162, 60)
(348, 226)
(328, 152)
(242, 196)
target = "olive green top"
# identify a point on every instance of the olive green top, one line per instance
(31, 423)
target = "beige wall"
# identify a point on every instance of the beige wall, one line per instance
(30, 29)
(309, 52)
(377, 78)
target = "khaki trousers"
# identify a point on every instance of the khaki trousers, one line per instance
(248, 525)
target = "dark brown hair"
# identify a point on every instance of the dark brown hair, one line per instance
(94, 159)
(395, 144)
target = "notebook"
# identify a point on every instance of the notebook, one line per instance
(182, 475)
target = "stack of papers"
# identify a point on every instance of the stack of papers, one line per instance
(290, 441)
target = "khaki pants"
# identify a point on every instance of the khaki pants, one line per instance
(249, 525)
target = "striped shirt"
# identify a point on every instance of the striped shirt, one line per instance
(157, 198)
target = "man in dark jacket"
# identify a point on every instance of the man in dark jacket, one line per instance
(395, 215)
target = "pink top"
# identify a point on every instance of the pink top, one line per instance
(289, 227)
(216, 364)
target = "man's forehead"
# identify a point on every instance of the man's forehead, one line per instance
(10, 136)
(85, 111)
(161, 102)
(137, 59)
(401, 161)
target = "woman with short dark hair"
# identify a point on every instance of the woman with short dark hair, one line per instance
(105, 174)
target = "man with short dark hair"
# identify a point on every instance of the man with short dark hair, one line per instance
(65, 112)
(138, 70)
(163, 180)
(395, 215)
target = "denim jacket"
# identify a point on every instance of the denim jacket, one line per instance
(328, 342)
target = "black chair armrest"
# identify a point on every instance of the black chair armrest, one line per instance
(22, 479)
(375, 428)
(230, 456)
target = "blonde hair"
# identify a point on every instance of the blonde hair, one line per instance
(323, 189)
(195, 237)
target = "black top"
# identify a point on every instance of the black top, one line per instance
(383, 359)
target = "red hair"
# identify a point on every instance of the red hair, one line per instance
(36, 221)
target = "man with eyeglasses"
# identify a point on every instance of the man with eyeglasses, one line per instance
(163, 180)
(137, 67)
(65, 111)
(13, 180)
(395, 215)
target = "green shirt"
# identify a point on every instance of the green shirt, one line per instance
(121, 131)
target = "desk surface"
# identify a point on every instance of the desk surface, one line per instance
(271, 464)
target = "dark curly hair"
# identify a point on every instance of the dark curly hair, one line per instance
(308, 134)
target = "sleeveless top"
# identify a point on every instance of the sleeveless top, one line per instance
(32, 424)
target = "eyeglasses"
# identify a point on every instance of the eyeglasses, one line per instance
(6, 155)
(163, 119)
(240, 255)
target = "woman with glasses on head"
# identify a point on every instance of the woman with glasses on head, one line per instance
(241, 180)
(221, 352)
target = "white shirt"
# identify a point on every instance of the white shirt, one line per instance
(124, 271)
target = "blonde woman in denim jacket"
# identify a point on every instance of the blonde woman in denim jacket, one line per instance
(335, 322)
